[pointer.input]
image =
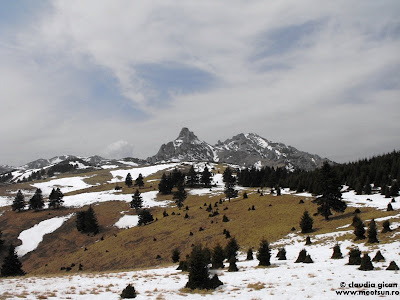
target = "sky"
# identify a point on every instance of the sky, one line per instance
(120, 78)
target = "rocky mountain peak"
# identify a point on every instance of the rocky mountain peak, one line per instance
(187, 136)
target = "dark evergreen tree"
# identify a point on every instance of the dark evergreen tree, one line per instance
(36, 202)
(128, 180)
(230, 182)
(128, 292)
(308, 240)
(180, 196)
(145, 217)
(337, 254)
(354, 257)
(366, 264)
(225, 219)
(372, 232)
(359, 229)
(1, 241)
(281, 254)
(245, 196)
(11, 264)
(56, 198)
(86, 221)
(232, 265)
(306, 223)
(308, 259)
(249, 254)
(198, 271)
(165, 186)
(139, 181)
(394, 189)
(389, 207)
(302, 256)
(206, 177)
(19, 202)
(278, 190)
(137, 201)
(386, 226)
(392, 266)
(192, 178)
(177, 177)
(218, 257)
(176, 255)
(378, 257)
(231, 248)
(367, 189)
(329, 187)
(264, 254)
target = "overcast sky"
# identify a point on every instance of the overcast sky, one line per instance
(119, 78)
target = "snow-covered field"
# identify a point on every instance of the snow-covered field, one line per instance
(33, 236)
(127, 221)
(68, 184)
(145, 171)
(282, 280)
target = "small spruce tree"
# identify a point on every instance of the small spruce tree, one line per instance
(145, 217)
(366, 264)
(249, 254)
(386, 226)
(308, 240)
(389, 207)
(308, 260)
(137, 201)
(56, 198)
(11, 264)
(372, 232)
(232, 265)
(128, 180)
(281, 254)
(176, 255)
(19, 202)
(302, 256)
(218, 257)
(392, 266)
(354, 257)
(337, 254)
(225, 219)
(180, 196)
(139, 181)
(128, 292)
(359, 229)
(306, 223)
(36, 202)
(192, 178)
(91, 224)
(378, 257)
(231, 248)
(264, 254)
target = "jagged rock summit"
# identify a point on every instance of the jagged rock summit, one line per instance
(243, 149)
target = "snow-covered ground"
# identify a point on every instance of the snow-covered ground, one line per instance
(33, 236)
(127, 221)
(376, 200)
(145, 171)
(284, 279)
(5, 201)
(68, 184)
(81, 200)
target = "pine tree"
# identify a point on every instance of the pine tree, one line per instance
(378, 257)
(366, 264)
(86, 221)
(386, 226)
(231, 248)
(19, 202)
(230, 182)
(389, 207)
(139, 181)
(128, 180)
(218, 257)
(302, 256)
(192, 177)
(337, 254)
(56, 198)
(249, 254)
(145, 217)
(308, 240)
(394, 189)
(308, 259)
(354, 257)
(180, 196)
(367, 189)
(36, 202)
(232, 265)
(165, 186)
(372, 232)
(329, 186)
(11, 264)
(129, 292)
(176, 255)
(206, 177)
(264, 254)
(306, 223)
(281, 254)
(137, 201)
(392, 266)
(359, 229)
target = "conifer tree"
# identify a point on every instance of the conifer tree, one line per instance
(308, 259)
(372, 232)
(19, 202)
(232, 265)
(165, 186)
(354, 257)
(231, 248)
(366, 264)
(302, 256)
(218, 257)
(378, 257)
(137, 201)
(329, 187)
(264, 254)
(359, 229)
(139, 181)
(129, 292)
(306, 223)
(36, 202)
(394, 189)
(392, 266)
(230, 182)
(56, 198)
(249, 254)
(389, 207)
(180, 196)
(145, 217)
(1, 241)
(176, 255)
(281, 254)
(86, 221)
(337, 254)
(11, 264)
(308, 240)
(128, 180)
(386, 226)
(192, 177)
(225, 219)
(206, 177)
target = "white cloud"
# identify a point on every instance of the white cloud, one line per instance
(119, 149)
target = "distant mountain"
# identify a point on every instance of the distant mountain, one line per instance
(242, 149)
(5, 169)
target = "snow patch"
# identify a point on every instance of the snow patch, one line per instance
(68, 184)
(127, 221)
(145, 171)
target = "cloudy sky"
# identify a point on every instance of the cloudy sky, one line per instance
(119, 78)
